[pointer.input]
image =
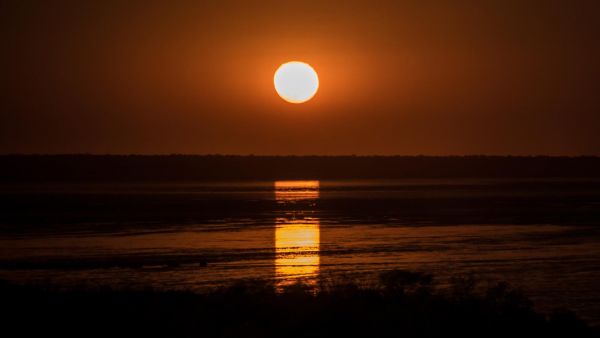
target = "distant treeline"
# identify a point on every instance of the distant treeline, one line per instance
(15, 168)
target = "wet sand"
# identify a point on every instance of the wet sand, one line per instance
(539, 235)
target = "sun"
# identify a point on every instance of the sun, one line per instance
(296, 82)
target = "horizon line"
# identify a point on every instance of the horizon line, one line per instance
(297, 155)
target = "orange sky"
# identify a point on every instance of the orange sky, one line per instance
(397, 77)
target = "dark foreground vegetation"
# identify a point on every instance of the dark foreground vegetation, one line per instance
(19, 168)
(402, 304)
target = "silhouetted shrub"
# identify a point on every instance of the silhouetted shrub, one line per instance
(403, 303)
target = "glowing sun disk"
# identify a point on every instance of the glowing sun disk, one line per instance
(296, 82)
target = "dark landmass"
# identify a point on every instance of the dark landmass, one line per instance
(402, 304)
(17, 168)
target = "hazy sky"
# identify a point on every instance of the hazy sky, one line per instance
(397, 77)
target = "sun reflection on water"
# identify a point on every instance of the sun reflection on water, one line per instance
(297, 235)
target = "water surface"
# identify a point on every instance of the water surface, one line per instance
(540, 235)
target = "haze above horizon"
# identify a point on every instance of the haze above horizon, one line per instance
(438, 78)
